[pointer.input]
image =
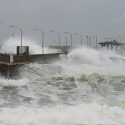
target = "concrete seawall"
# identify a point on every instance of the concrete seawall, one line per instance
(9, 63)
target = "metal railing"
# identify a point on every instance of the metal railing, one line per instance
(4, 58)
(20, 58)
(17, 59)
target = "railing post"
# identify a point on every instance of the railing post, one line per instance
(11, 58)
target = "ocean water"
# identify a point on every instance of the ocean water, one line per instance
(86, 87)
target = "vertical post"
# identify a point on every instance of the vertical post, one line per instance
(42, 42)
(20, 29)
(66, 37)
(8, 72)
(42, 35)
(58, 33)
(96, 41)
(81, 40)
(11, 58)
(71, 39)
(87, 39)
(59, 39)
(21, 39)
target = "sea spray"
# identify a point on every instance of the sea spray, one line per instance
(88, 61)
(9, 46)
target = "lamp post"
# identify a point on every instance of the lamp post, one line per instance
(66, 37)
(42, 34)
(81, 37)
(20, 29)
(87, 40)
(90, 40)
(0, 45)
(58, 33)
(71, 39)
(96, 40)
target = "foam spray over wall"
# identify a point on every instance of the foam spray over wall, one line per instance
(9, 46)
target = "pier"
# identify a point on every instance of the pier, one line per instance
(111, 44)
(10, 62)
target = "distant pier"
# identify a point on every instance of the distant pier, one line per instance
(111, 44)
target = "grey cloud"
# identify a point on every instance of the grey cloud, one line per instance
(85, 16)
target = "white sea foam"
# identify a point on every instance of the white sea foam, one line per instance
(64, 115)
(12, 82)
(93, 70)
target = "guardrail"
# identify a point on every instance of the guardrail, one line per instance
(20, 58)
(10, 58)
(17, 59)
(4, 58)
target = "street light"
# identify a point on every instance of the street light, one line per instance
(42, 34)
(81, 37)
(87, 40)
(0, 45)
(58, 33)
(71, 39)
(20, 29)
(96, 40)
(66, 37)
(90, 40)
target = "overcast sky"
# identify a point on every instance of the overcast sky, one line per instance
(101, 17)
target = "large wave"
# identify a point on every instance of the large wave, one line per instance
(85, 87)
(88, 61)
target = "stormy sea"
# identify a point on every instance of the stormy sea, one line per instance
(85, 87)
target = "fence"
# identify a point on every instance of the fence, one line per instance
(6, 58)
(17, 59)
